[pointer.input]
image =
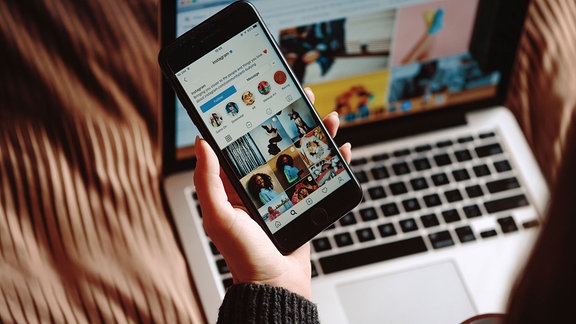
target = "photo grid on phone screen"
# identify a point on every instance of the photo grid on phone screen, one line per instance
(283, 160)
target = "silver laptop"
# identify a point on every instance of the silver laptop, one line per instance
(453, 195)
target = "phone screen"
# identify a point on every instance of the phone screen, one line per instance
(261, 122)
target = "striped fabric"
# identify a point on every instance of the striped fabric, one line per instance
(543, 88)
(83, 233)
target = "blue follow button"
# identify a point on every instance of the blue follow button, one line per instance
(218, 99)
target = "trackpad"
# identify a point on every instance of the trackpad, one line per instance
(433, 294)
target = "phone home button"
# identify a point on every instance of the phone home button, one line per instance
(319, 216)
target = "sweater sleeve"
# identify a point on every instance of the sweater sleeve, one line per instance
(256, 303)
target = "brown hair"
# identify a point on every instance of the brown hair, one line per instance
(546, 290)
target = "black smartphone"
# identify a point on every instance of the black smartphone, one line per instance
(239, 91)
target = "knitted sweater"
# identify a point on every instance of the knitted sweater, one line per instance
(255, 303)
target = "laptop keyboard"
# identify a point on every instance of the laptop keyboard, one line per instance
(417, 199)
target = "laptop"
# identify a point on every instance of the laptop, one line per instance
(453, 195)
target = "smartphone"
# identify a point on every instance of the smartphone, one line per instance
(240, 92)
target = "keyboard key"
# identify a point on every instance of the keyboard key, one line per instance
(481, 170)
(429, 220)
(227, 282)
(222, 266)
(440, 179)
(423, 148)
(408, 225)
(463, 155)
(400, 168)
(376, 193)
(419, 184)
(380, 157)
(487, 135)
(411, 204)
(460, 175)
(387, 230)
(352, 259)
(398, 188)
(214, 249)
(441, 239)
(390, 209)
(453, 195)
(502, 166)
(321, 244)
(358, 161)
(361, 176)
(474, 191)
(465, 234)
(348, 220)
(444, 143)
(368, 214)
(365, 234)
(442, 159)
(465, 139)
(421, 164)
(380, 173)
(314, 272)
(472, 211)
(531, 223)
(331, 227)
(343, 239)
(507, 224)
(502, 185)
(488, 150)
(400, 153)
(498, 205)
(488, 233)
(432, 200)
(451, 216)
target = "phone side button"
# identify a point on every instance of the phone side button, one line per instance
(319, 216)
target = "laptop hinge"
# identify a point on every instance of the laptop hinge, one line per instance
(400, 127)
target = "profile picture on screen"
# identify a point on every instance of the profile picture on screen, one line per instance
(248, 98)
(232, 109)
(216, 120)
(264, 87)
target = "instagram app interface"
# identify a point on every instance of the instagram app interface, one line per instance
(261, 122)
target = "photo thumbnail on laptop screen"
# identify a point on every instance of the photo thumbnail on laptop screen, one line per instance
(368, 60)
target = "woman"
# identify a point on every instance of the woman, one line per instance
(275, 138)
(545, 292)
(285, 164)
(261, 188)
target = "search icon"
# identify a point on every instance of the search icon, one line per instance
(293, 212)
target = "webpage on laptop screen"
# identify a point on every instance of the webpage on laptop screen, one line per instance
(368, 60)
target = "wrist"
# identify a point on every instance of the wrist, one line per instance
(258, 303)
(301, 285)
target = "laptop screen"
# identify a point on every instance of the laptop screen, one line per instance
(370, 60)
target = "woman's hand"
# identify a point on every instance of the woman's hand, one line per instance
(249, 253)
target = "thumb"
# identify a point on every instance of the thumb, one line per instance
(211, 192)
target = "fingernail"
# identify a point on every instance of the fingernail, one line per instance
(347, 145)
(335, 113)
